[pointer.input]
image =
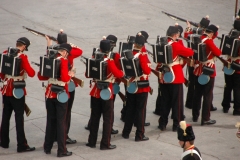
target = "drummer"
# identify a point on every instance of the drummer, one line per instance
(103, 103)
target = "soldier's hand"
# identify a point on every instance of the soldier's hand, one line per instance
(49, 41)
(71, 74)
(188, 25)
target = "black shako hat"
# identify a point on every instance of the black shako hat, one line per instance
(172, 30)
(105, 46)
(65, 46)
(24, 41)
(180, 29)
(185, 132)
(112, 38)
(204, 22)
(212, 28)
(236, 24)
(140, 39)
(61, 37)
(145, 35)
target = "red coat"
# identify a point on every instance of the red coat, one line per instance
(64, 77)
(179, 50)
(212, 50)
(144, 63)
(145, 50)
(112, 69)
(75, 52)
(118, 65)
(25, 67)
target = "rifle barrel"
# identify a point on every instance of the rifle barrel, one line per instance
(37, 64)
(180, 19)
(39, 33)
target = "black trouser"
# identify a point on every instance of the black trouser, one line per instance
(172, 98)
(205, 91)
(124, 109)
(69, 109)
(232, 83)
(158, 101)
(190, 91)
(136, 104)
(114, 97)
(56, 120)
(227, 91)
(99, 107)
(10, 103)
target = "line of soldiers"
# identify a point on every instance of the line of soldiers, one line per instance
(170, 94)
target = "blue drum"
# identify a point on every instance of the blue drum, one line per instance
(71, 86)
(62, 97)
(116, 88)
(18, 93)
(132, 88)
(203, 79)
(105, 94)
(168, 77)
(228, 71)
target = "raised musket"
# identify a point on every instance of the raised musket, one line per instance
(184, 20)
(39, 33)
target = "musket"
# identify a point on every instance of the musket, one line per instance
(123, 98)
(184, 20)
(42, 34)
(27, 110)
(188, 60)
(236, 6)
(78, 81)
(39, 33)
(180, 19)
(156, 73)
(37, 64)
(225, 63)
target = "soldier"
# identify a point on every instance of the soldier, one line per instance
(100, 106)
(186, 139)
(232, 81)
(203, 24)
(205, 91)
(57, 110)
(172, 93)
(136, 102)
(75, 52)
(116, 57)
(13, 103)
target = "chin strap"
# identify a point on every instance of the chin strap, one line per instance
(184, 144)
